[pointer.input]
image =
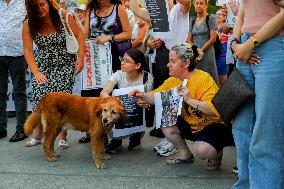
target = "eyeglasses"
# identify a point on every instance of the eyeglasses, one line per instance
(125, 61)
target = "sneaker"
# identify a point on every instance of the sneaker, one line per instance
(168, 150)
(235, 170)
(33, 142)
(161, 144)
(114, 146)
(62, 144)
(85, 139)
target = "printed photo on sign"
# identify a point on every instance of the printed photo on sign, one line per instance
(159, 14)
(134, 121)
(168, 106)
(97, 65)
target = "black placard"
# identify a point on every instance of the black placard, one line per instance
(158, 14)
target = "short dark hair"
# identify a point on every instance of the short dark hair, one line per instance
(138, 57)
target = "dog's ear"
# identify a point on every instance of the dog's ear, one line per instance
(98, 112)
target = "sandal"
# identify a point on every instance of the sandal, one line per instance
(62, 144)
(33, 142)
(213, 164)
(173, 161)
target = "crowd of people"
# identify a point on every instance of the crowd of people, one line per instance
(203, 49)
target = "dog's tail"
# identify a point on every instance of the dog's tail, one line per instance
(33, 121)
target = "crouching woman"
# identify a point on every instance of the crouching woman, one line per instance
(199, 120)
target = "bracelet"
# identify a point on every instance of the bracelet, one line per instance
(197, 105)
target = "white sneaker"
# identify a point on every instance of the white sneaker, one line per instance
(168, 150)
(161, 144)
(32, 142)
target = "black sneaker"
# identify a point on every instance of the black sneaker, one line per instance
(114, 146)
(3, 132)
(135, 142)
(235, 170)
(157, 133)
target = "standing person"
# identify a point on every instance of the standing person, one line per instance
(222, 34)
(131, 74)
(52, 66)
(258, 128)
(202, 33)
(101, 18)
(12, 14)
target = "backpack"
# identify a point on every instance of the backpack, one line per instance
(217, 43)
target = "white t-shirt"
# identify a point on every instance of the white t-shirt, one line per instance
(179, 24)
(119, 78)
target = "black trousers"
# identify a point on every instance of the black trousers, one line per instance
(16, 67)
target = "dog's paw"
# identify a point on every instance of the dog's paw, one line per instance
(105, 156)
(101, 165)
(55, 155)
(51, 159)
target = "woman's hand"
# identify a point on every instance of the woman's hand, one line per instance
(143, 103)
(79, 65)
(185, 93)
(155, 43)
(103, 39)
(244, 53)
(234, 6)
(40, 78)
(136, 93)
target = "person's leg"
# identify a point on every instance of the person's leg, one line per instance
(3, 94)
(266, 151)
(18, 69)
(243, 124)
(173, 134)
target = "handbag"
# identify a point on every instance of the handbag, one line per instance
(72, 44)
(232, 96)
(121, 46)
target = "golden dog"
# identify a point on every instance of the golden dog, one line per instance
(93, 115)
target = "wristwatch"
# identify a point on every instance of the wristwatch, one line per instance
(255, 41)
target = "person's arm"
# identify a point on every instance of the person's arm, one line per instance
(126, 29)
(142, 13)
(238, 25)
(270, 29)
(81, 41)
(211, 40)
(184, 5)
(141, 35)
(107, 89)
(29, 55)
(143, 98)
(199, 105)
(213, 34)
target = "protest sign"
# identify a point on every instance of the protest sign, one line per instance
(134, 121)
(97, 66)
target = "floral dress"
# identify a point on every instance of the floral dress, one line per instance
(55, 63)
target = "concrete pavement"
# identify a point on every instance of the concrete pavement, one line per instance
(26, 168)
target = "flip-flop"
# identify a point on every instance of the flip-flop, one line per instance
(173, 161)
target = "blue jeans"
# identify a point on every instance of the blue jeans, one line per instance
(258, 129)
